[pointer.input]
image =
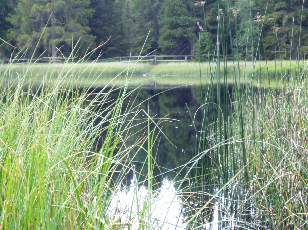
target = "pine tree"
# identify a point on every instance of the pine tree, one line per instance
(52, 25)
(126, 27)
(3, 25)
(248, 30)
(285, 26)
(3, 14)
(204, 45)
(273, 29)
(6, 7)
(145, 20)
(105, 26)
(176, 28)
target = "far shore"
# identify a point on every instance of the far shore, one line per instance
(174, 74)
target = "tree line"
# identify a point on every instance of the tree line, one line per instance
(263, 29)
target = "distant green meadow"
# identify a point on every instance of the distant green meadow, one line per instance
(261, 73)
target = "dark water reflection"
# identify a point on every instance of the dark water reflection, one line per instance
(181, 114)
(192, 111)
(191, 120)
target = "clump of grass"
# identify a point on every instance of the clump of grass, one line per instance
(51, 173)
(252, 164)
(54, 173)
(277, 151)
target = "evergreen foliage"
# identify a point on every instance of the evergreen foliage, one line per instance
(285, 28)
(176, 25)
(105, 26)
(204, 47)
(6, 6)
(49, 25)
(3, 14)
(145, 17)
(248, 28)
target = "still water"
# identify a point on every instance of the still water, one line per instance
(190, 121)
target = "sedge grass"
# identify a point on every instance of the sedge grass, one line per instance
(62, 160)
(51, 176)
(252, 161)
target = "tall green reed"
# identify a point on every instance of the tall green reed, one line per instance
(52, 173)
(255, 145)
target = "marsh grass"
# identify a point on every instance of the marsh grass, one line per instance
(61, 159)
(51, 173)
(251, 166)
(250, 162)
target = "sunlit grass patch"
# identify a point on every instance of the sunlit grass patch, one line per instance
(96, 74)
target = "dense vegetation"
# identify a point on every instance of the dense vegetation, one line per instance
(72, 134)
(246, 28)
(61, 151)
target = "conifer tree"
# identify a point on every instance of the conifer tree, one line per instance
(51, 25)
(285, 26)
(3, 25)
(105, 26)
(176, 28)
(6, 7)
(247, 32)
(269, 29)
(146, 13)
(204, 48)
(125, 26)
(3, 14)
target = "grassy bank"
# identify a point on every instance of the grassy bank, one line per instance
(267, 74)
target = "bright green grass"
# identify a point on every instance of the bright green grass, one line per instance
(267, 74)
(51, 177)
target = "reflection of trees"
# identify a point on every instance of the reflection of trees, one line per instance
(177, 105)
(186, 117)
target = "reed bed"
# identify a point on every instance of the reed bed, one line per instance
(252, 161)
(56, 170)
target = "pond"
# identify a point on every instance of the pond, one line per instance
(223, 156)
(195, 146)
(225, 148)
